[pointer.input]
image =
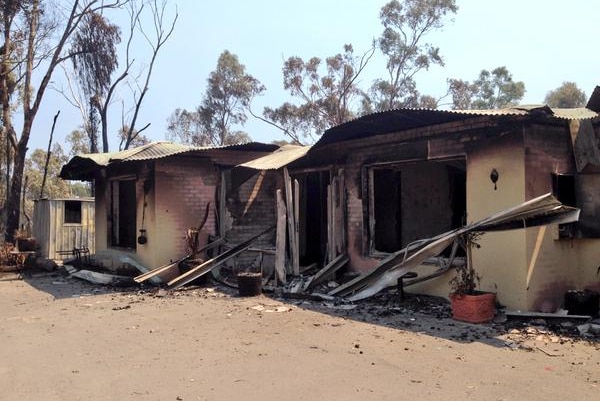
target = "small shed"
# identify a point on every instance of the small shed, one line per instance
(63, 224)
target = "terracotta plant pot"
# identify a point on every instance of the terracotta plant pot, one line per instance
(478, 308)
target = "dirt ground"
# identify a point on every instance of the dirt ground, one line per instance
(65, 340)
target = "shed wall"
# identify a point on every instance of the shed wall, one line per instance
(54, 235)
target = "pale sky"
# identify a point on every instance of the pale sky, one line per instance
(541, 42)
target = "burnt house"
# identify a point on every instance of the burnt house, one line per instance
(160, 190)
(388, 179)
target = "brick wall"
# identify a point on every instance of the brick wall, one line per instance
(354, 157)
(548, 150)
(182, 189)
(252, 209)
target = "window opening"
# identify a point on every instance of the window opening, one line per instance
(416, 200)
(72, 212)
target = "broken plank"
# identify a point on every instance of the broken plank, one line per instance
(304, 269)
(330, 225)
(328, 270)
(207, 266)
(341, 226)
(280, 240)
(263, 251)
(294, 257)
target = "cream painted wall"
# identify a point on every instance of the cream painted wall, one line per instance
(146, 252)
(552, 266)
(176, 202)
(101, 213)
(501, 259)
(555, 265)
(589, 264)
(182, 190)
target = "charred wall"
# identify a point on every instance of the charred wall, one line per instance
(251, 209)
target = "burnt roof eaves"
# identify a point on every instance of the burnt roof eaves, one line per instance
(278, 159)
(83, 199)
(251, 147)
(396, 120)
(150, 151)
(83, 167)
(578, 113)
(385, 122)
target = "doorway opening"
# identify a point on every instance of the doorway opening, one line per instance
(123, 214)
(312, 224)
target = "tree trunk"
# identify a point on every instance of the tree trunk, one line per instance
(104, 125)
(13, 204)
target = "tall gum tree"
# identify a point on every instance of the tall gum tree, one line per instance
(229, 93)
(102, 78)
(326, 94)
(566, 96)
(493, 89)
(403, 43)
(36, 41)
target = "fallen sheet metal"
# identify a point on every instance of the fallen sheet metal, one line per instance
(99, 278)
(171, 271)
(539, 211)
(210, 264)
(163, 273)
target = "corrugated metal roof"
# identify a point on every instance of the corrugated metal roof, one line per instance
(152, 151)
(84, 199)
(81, 167)
(405, 119)
(581, 113)
(280, 158)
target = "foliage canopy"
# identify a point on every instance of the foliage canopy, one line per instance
(568, 95)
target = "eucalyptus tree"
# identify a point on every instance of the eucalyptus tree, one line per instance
(568, 95)
(103, 78)
(94, 60)
(36, 38)
(326, 93)
(491, 90)
(229, 93)
(403, 43)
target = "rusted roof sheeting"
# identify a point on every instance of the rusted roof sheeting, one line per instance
(159, 150)
(151, 151)
(280, 158)
(82, 167)
(405, 119)
(580, 113)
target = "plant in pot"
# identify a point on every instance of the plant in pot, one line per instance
(468, 304)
